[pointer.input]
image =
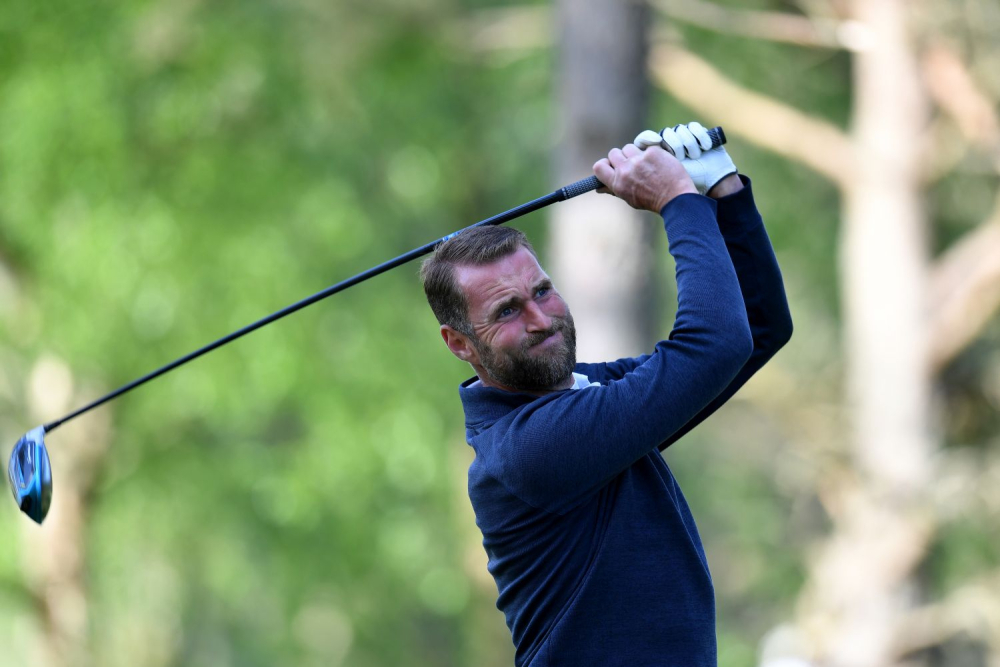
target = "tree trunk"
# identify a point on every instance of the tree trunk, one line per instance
(601, 251)
(861, 586)
(904, 318)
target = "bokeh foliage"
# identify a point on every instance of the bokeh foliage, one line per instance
(170, 171)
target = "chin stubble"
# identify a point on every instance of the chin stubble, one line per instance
(522, 371)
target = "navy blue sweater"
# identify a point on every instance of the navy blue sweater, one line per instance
(593, 548)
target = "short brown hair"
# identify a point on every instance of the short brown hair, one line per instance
(471, 247)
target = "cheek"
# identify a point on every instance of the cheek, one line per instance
(498, 337)
(557, 307)
(506, 337)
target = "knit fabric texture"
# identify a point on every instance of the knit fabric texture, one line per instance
(593, 548)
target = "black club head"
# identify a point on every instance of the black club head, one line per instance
(30, 475)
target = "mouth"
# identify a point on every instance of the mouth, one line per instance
(548, 342)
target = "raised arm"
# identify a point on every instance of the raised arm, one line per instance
(760, 283)
(561, 448)
(749, 248)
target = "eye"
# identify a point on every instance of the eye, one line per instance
(542, 291)
(506, 312)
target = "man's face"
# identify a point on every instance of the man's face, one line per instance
(524, 338)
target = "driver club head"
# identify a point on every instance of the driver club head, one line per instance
(30, 475)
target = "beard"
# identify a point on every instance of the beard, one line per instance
(520, 370)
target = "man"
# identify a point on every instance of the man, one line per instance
(593, 548)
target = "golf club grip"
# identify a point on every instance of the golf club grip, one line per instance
(717, 135)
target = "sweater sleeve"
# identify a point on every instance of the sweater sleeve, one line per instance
(762, 288)
(763, 294)
(558, 450)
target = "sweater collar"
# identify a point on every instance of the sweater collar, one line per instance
(487, 404)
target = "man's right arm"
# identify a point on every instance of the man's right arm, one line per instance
(760, 280)
(562, 448)
(763, 294)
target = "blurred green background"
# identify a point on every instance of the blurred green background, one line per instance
(170, 171)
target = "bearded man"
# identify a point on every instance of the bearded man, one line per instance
(594, 551)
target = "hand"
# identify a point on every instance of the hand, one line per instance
(645, 180)
(691, 143)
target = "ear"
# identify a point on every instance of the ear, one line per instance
(459, 344)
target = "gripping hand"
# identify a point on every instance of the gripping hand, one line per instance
(693, 147)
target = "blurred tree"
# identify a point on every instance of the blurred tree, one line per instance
(602, 255)
(906, 316)
(170, 171)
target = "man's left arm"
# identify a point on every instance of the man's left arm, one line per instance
(760, 282)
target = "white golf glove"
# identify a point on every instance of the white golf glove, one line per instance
(693, 147)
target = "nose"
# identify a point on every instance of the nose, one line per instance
(536, 319)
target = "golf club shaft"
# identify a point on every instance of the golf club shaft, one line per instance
(562, 194)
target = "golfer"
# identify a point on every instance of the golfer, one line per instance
(595, 553)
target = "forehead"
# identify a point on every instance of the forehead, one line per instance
(508, 276)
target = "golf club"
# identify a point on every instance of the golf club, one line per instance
(29, 471)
